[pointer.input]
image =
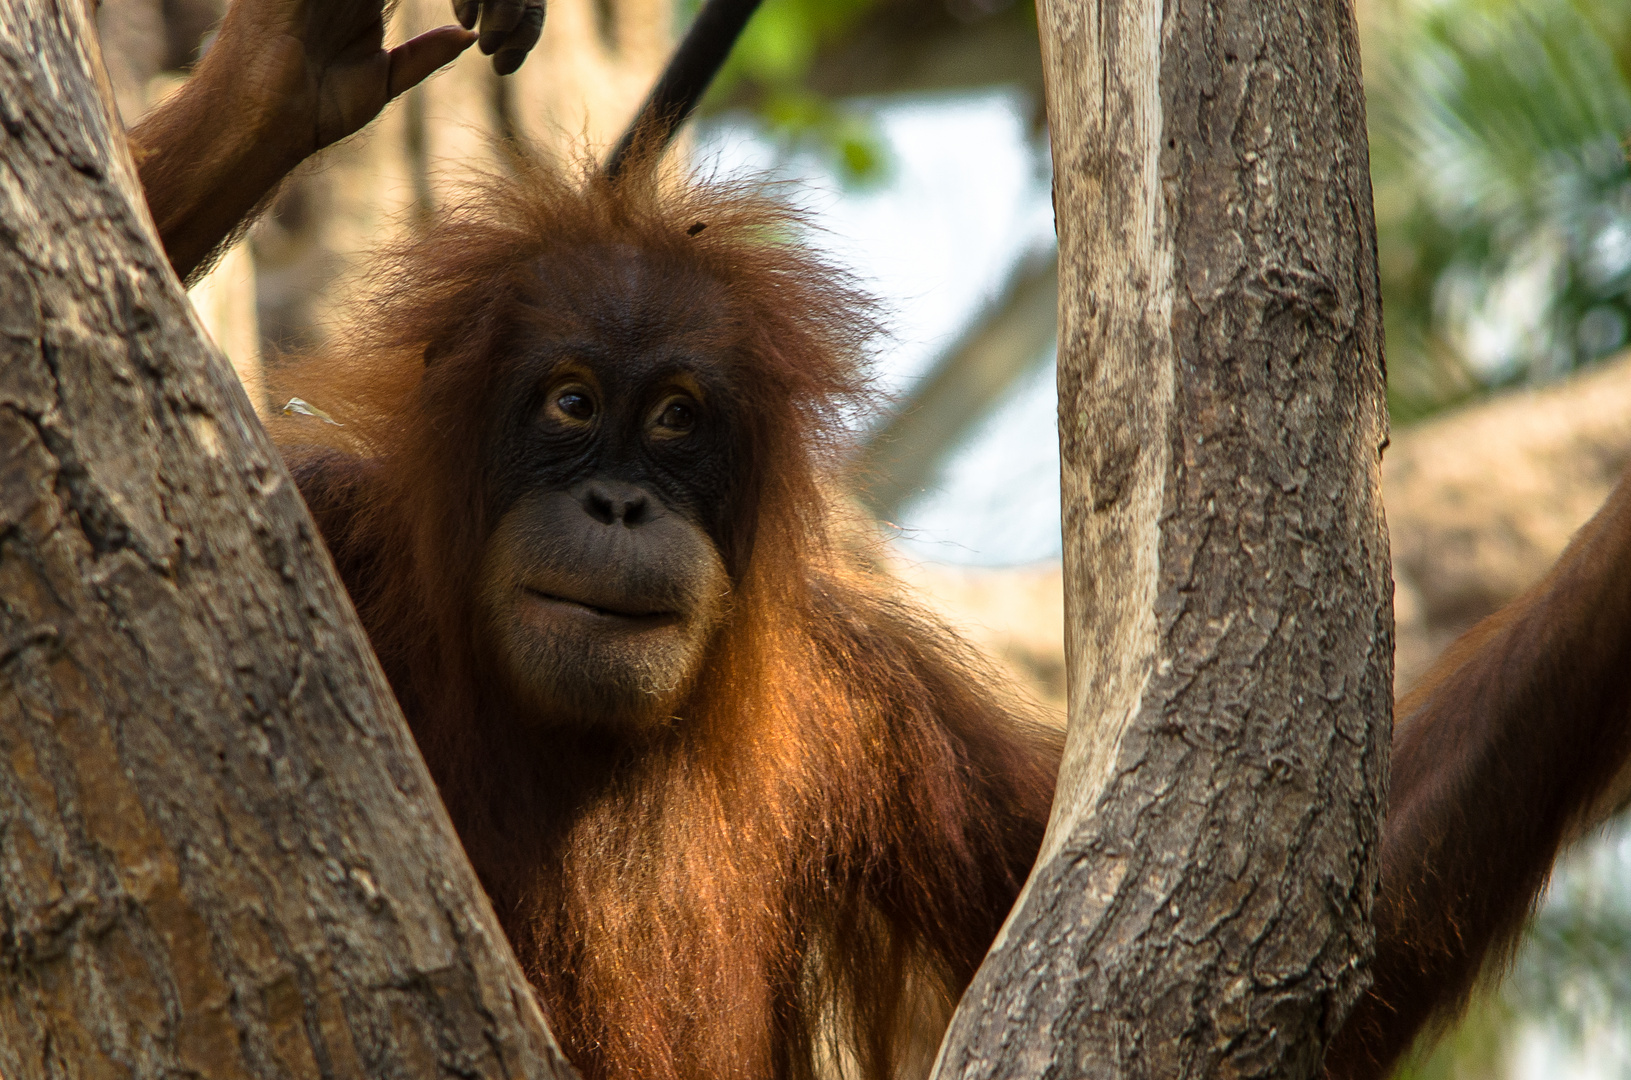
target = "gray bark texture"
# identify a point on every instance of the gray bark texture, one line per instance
(220, 853)
(1201, 906)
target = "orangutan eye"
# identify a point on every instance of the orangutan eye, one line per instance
(571, 405)
(675, 417)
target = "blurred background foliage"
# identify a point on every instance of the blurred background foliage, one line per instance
(1502, 191)
(770, 68)
(809, 72)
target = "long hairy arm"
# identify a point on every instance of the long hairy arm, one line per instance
(282, 80)
(1512, 737)
(969, 787)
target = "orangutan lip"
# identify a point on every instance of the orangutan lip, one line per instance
(610, 613)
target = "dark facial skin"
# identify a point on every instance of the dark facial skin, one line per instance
(602, 584)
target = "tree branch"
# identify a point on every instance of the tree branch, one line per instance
(902, 456)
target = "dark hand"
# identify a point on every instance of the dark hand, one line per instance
(321, 69)
(509, 28)
(282, 80)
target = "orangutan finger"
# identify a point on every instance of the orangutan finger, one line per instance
(520, 41)
(417, 58)
(498, 18)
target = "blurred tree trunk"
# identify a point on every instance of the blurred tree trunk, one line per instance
(1201, 904)
(902, 455)
(220, 853)
(143, 39)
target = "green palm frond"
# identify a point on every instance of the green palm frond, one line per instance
(1503, 194)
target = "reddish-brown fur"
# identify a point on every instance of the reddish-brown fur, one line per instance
(1517, 731)
(807, 865)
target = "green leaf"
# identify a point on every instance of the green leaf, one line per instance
(1503, 195)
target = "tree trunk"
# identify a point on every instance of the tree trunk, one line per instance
(144, 43)
(220, 853)
(1201, 905)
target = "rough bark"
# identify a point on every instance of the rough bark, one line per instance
(1201, 904)
(220, 854)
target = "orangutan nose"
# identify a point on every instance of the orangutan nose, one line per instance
(613, 503)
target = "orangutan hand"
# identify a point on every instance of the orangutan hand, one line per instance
(282, 80)
(509, 28)
(317, 70)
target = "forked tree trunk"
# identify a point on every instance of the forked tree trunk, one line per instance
(220, 853)
(1201, 905)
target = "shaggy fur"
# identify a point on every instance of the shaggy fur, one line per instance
(1501, 754)
(801, 871)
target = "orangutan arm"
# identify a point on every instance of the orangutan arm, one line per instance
(1513, 735)
(971, 774)
(282, 80)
